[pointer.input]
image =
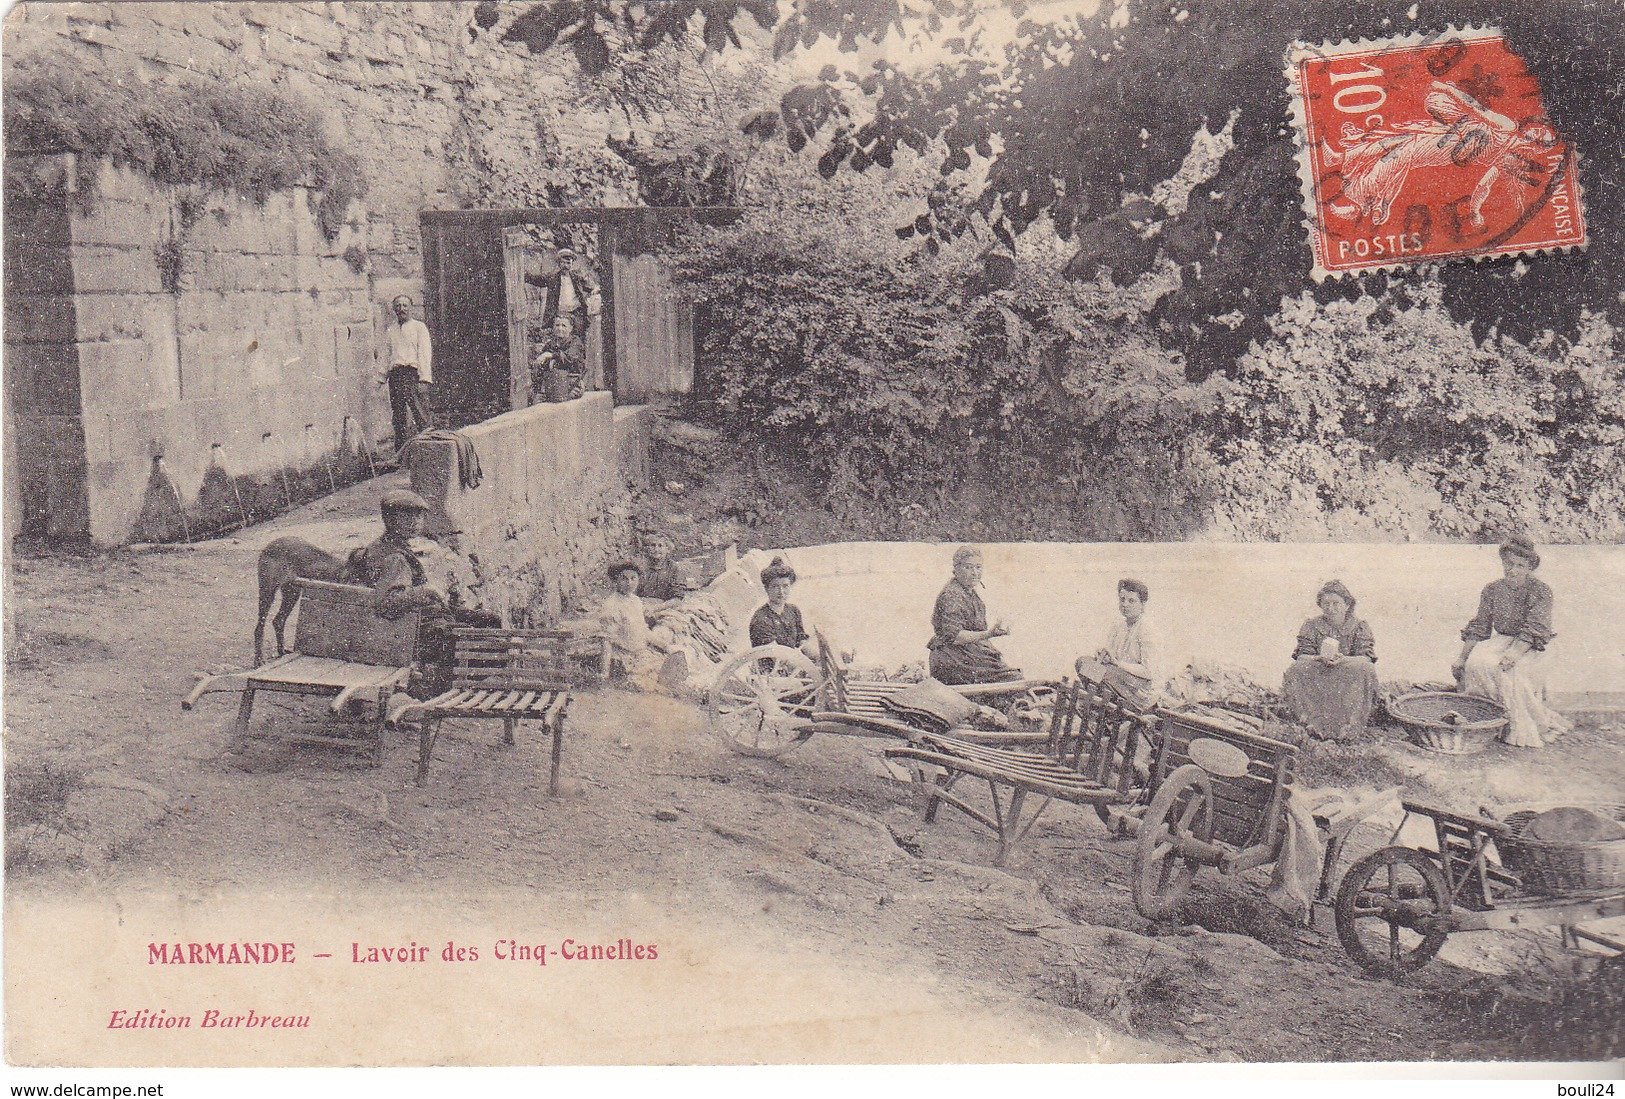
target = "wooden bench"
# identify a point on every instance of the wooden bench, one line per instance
(500, 674)
(343, 650)
(1088, 758)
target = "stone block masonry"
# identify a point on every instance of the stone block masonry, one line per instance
(244, 326)
(551, 509)
(441, 114)
(228, 339)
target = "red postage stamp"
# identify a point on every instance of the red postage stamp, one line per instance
(1427, 147)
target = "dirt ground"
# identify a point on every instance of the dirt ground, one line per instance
(825, 840)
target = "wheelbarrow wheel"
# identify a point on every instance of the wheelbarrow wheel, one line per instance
(762, 702)
(1183, 808)
(1373, 932)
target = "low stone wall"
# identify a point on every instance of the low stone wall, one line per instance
(551, 508)
(1240, 604)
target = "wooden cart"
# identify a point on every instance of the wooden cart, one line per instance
(1398, 905)
(771, 699)
(1218, 797)
(1089, 756)
(506, 675)
(343, 651)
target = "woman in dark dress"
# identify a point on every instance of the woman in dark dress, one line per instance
(1332, 683)
(778, 621)
(960, 652)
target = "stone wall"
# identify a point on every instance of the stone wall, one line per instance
(183, 363)
(442, 114)
(245, 327)
(551, 508)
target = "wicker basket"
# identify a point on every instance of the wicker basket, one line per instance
(1482, 720)
(1556, 869)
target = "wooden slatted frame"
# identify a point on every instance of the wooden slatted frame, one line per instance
(508, 674)
(1463, 855)
(1092, 745)
(334, 619)
(839, 694)
(1249, 811)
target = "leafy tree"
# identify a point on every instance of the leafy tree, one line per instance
(1071, 118)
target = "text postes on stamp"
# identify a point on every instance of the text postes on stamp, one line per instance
(1427, 147)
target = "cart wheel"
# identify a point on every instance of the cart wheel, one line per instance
(1382, 946)
(1182, 808)
(762, 701)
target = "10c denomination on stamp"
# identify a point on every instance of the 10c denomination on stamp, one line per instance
(1427, 147)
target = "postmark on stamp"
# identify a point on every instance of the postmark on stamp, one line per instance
(1427, 147)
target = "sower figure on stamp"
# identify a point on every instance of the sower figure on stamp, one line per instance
(388, 564)
(411, 366)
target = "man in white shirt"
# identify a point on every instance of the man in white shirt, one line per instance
(573, 291)
(410, 367)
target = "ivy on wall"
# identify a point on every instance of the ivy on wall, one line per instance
(241, 138)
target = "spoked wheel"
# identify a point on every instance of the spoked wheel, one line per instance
(762, 702)
(1183, 808)
(1379, 903)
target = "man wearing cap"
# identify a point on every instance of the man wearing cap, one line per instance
(573, 291)
(411, 366)
(390, 565)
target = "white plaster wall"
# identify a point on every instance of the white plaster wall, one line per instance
(1241, 603)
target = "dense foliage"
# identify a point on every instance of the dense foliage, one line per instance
(1071, 117)
(984, 298)
(892, 383)
(242, 138)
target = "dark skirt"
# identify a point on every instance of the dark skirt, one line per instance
(1333, 701)
(977, 662)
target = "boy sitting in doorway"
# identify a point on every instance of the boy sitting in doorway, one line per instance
(559, 368)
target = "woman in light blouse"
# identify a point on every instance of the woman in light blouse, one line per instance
(1131, 661)
(1503, 653)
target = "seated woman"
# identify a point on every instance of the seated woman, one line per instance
(959, 647)
(660, 582)
(1503, 654)
(625, 631)
(1131, 660)
(1332, 683)
(778, 621)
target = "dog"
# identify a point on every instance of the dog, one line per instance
(281, 563)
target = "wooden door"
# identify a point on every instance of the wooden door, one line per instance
(654, 332)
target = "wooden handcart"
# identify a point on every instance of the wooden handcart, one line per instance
(1214, 793)
(343, 651)
(1088, 757)
(771, 699)
(1398, 905)
(511, 676)
(1218, 798)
